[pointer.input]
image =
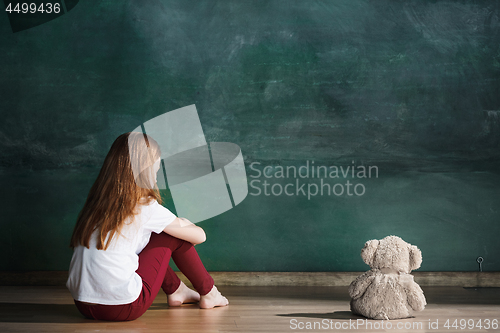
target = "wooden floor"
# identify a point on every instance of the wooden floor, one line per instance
(251, 309)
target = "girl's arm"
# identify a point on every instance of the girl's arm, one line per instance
(182, 228)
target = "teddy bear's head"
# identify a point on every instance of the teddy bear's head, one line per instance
(391, 252)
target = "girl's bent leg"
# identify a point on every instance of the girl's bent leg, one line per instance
(177, 292)
(187, 260)
(155, 271)
(154, 260)
(171, 281)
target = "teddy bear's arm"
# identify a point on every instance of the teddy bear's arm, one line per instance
(416, 298)
(357, 287)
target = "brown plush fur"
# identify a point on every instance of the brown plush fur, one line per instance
(388, 291)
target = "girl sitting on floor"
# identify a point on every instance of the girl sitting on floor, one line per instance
(124, 238)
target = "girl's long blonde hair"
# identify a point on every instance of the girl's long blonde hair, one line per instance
(125, 178)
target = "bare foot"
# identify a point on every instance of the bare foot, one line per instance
(212, 299)
(183, 295)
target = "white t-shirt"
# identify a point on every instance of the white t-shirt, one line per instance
(109, 277)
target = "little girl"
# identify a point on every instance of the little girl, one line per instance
(124, 238)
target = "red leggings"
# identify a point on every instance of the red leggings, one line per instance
(155, 272)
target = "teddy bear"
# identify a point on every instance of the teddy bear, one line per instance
(388, 291)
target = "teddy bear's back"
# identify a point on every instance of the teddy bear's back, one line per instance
(385, 298)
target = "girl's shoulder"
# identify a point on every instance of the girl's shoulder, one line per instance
(143, 204)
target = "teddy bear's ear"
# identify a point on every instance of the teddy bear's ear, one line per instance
(415, 257)
(368, 252)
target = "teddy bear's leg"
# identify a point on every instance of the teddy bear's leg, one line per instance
(416, 298)
(381, 316)
(353, 307)
(357, 308)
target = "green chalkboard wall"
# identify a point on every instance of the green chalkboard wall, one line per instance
(408, 88)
